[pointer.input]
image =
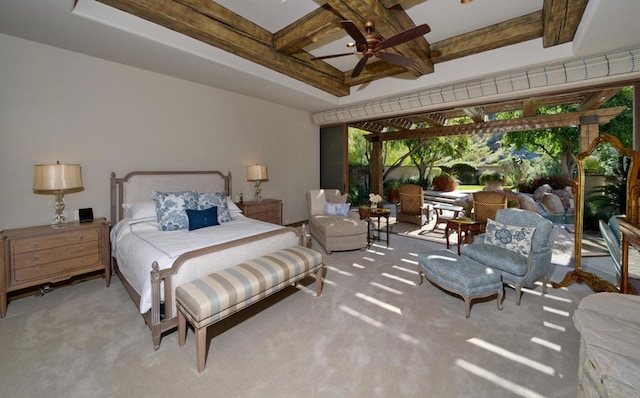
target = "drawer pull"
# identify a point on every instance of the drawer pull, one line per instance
(36, 244)
(36, 256)
(36, 270)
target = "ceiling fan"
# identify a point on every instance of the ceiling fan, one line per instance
(370, 44)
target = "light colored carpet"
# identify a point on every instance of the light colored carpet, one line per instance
(373, 333)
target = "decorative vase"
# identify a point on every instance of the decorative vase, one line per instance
(374, 206)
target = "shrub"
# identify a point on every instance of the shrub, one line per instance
(555, 181)
(444, 182)
(466, 173)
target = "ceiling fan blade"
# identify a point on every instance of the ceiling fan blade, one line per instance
(331, 56)
(359, 67)
(396, 59)
(356, 34)
(404, 36)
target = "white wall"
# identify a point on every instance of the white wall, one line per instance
(59, 105)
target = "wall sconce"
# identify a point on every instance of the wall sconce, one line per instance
(57, 179)
(257, 173)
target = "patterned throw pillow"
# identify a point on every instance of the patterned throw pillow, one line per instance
(202, 218)
(218, 199)
(338, 209)
(511, 237)
(171, 208)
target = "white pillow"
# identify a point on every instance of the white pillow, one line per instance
(140, 212)
(233, 208)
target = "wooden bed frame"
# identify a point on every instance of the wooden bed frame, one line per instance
(136, 187)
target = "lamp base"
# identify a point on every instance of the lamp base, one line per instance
(258, 195)
(59, 218)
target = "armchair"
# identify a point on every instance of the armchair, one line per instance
(412, 208)
(486, 204)
(516, 269)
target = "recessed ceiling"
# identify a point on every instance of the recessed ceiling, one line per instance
(98, 29)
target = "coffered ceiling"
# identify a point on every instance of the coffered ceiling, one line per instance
(264, 48)
(289, 49)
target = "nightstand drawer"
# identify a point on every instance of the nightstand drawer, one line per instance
(40, 257)
(49, 241)
(59, 267)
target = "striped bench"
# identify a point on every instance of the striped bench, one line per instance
(209, 299)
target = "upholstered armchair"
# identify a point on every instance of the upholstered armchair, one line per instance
(518, 245)
(332, 224)
(412, 208)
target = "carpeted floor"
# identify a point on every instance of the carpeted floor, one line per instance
(373, 333)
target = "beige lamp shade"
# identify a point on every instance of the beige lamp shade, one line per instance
(257, 173)
(57, 177)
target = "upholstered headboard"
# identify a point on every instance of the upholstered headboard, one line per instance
(137, 186)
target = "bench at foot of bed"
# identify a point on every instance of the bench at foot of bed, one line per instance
(211, 298)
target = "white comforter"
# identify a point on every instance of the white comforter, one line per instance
(137, 246)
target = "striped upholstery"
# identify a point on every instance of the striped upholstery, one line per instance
(208, 299)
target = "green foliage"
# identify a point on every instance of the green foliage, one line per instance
(444, 182)
(465, 173)
(593, 166)
(489, 177)
(622, 125)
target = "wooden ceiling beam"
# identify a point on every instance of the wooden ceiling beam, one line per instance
(529, 107)
(211, 23)
(513, 31)
(307, 30)
(476, 114)
(597, 99)
(561, 19)
(503, 126)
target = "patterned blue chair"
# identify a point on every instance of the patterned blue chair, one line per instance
(519, 245)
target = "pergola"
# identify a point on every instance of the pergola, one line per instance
(588, 117)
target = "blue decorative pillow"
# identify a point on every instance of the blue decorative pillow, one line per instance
(511, 237)
(338, 209)
(218, 199)
(171, 208)
(202, 218)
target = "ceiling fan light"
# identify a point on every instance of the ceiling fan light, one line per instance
(465, 1)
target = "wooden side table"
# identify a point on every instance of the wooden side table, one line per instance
(377, 213)
(464, 227)
(39, 255)
(267, 210)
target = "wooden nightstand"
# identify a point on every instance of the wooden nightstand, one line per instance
(269, 210)
(38, 255)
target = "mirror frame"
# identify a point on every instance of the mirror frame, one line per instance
(594, 281)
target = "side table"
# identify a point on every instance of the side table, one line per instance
(464, 227)
(377, 213)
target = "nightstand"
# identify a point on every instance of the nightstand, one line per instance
(38, 255)
(268, 210)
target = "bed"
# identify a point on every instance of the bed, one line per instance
(151, 262)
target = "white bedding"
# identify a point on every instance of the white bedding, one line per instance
(137, 246)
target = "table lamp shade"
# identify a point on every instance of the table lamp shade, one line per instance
(57, 177)
(257, 173)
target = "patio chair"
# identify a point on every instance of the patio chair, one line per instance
(486, 204)
(412, 208)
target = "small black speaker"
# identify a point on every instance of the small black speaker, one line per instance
(85, 215)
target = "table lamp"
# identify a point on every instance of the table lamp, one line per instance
(57, 179)
(257, 173)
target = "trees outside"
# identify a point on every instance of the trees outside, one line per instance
(561, 145)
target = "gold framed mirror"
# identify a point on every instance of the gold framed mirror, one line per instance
(632, 212)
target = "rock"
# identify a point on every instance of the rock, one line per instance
(540, 191)
(525, 202)
(566, 196)
(552, 204)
